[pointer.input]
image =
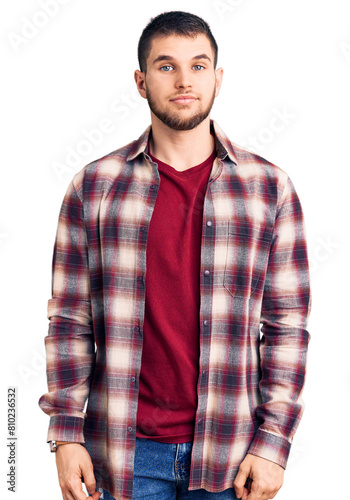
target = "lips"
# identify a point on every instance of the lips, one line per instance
(184, 99)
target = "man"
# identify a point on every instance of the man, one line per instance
(170, 254)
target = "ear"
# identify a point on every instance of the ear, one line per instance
(140, 81)
(219, 73)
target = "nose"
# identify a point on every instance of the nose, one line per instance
(183, 78)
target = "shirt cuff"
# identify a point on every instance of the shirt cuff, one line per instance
(270, 446)
(66, 428)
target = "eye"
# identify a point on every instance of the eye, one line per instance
(199, 66)
(162, 68)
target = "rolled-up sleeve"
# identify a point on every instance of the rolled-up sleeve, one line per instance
(70, 346)
(284, 342)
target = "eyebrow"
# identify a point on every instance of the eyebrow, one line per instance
(170, 58)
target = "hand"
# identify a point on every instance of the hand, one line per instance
(266, 476)
(74, 462)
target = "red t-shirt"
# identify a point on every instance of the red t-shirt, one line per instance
(167, 401)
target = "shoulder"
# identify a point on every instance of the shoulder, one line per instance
(248, 165)
(99, 175)
(259, 173)
(251, 164)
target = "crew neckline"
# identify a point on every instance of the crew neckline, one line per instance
(189, 171)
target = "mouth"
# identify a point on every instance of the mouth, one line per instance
(184, 100)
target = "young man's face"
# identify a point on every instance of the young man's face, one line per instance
(180, 84)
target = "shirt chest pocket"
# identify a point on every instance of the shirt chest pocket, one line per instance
(247, 255)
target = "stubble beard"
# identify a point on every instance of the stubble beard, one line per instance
(173, 120)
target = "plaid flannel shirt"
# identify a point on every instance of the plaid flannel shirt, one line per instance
(254, 307)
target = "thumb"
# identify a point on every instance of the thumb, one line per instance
(96, 495)
(239, 482)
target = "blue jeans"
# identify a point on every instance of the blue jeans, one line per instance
(161, 472)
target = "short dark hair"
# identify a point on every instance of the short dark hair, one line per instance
(173, 23)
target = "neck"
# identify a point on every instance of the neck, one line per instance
(182, 149)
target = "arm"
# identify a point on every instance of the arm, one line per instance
(70, 347)
(283, 349)
(70, 350)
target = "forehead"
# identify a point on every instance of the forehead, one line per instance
(180, 47)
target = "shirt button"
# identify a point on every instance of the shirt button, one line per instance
(206, 272)
(209, 223)
(139, 278)
(205, 322)
(153, 186)
(142, 228)
(129, 429)
(199, 421)
(133, 379)
(136, 329)
(203, 372)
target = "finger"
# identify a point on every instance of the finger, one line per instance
(253, 496)
(245, 494)
(239, 482)
(89, 478)
(96, 495)
(67, 495)
(257, 492)
(75, 490)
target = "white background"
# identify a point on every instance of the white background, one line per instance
(74, 71)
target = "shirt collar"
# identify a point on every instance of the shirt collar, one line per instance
(224, 147)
